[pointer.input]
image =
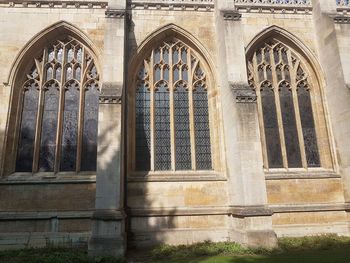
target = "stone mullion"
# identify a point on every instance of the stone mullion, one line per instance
(278, 110)
(151, 85)
(260, 112)
(191, 110)
(62, 89)
(81, 112)
(39, 116)
(171, 105)
(293, 86)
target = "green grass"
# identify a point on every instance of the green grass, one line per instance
(52, 255)
(317, 249)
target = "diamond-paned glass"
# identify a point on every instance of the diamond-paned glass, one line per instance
(162, 153)
(143, 128)
(170, 87)
(201, 128)
(68, 69)
(28, 123)
(287, 113)
(182, 129)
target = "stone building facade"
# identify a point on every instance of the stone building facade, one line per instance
(136, 122)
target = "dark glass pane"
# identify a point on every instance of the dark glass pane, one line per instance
(308, 126)
(49, 130)
(201, 128)
(162, 153)
(290, 129)
(89, 147)
(143, 129)
(49, 72)
(184, 74)
(184, 56)
(27, 133)
(182, 130)
(166, 56)
(175, 56)
(273, 145)
(70, 129)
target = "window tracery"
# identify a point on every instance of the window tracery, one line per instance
(58, 126)
(171, 111)
(285, 107)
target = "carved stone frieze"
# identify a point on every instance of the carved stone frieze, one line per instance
(231, 15)
(176, 5)
(116, 13)
(111, 93)
(243, 93)
(274, 6)
(54, 4)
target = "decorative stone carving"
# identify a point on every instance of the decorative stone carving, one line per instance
(115, 13)
(274, 6)
(243, 93)
(111, 93)
(183, 5)
(231, 15)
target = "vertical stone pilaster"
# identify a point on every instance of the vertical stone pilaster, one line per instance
(246, 182)
(108, 230)
(335, 65)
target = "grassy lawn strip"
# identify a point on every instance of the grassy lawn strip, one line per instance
(316, 249)
(52, 255)
(325, 248)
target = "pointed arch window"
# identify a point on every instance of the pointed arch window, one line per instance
(58, 118)
(286, 90)
(171, 111)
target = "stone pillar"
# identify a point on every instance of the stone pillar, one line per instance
(336, 68)
(251, 222)
(108, 229)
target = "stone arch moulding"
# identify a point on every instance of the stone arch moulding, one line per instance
(32, 48)
(44, 37)
(162, 33)
(291, 40)
(310, 58)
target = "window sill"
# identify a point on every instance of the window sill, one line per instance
(300, 173)
(49, 178)
(178, 176)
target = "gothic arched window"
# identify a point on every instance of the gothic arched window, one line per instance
(58, 124)
(171, 111)
(286, 91)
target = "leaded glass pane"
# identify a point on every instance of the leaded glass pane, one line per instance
(89, 147)
(70, 129)
(182, 130)
(27, 133)
(162, 153)
(49, 130)
(308, 126)
(202, 129)
(143, 129)
(289, 127)
(273, 145)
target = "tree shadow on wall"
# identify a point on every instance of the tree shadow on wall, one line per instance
(148, 221)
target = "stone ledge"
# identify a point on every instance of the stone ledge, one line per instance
(301, 175)
(310, 208)
(176, 211)
(108, 215)
(250, 211)
(11, 216)
(180, 177)
(48, 178)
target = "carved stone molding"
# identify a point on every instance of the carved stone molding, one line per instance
(273, 6)
(54, 4)
(243, 93)
(108, 215)
(176, 5)
(116, 13)
(111, 93)
(231, 15)
(342, 19)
